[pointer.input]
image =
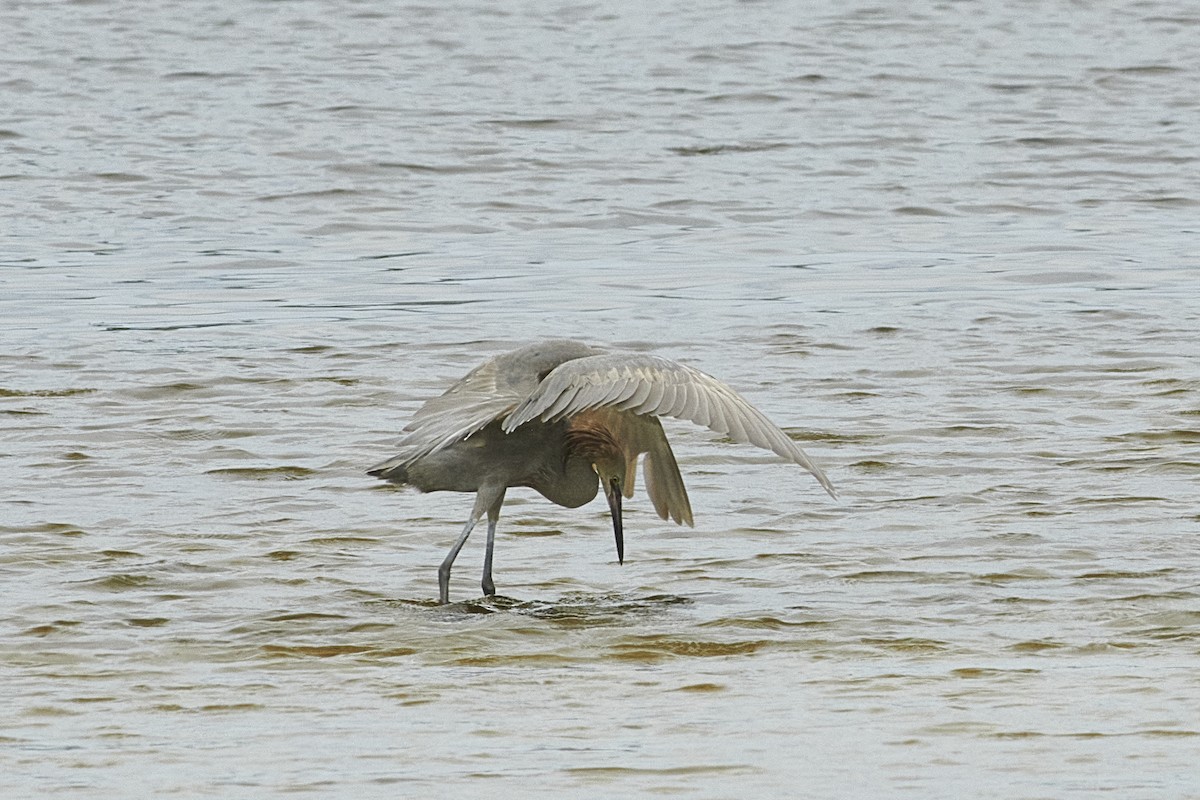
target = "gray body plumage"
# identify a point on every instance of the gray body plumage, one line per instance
(552, 416)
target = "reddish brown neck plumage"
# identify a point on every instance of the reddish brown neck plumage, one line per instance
(589, 438)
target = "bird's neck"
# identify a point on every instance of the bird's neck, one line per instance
(590, 439)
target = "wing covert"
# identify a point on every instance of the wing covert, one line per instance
(484, 395)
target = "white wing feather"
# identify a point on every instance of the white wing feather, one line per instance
(646, 384)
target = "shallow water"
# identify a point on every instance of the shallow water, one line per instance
(951, 249)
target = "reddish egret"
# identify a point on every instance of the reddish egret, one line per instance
(563, 418)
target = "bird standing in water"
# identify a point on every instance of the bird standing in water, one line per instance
(565, 418)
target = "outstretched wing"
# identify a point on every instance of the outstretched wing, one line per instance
(646, 384)
(463, 409)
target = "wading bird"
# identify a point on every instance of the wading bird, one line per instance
(563, 418)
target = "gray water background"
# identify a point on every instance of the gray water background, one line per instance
(950, 247)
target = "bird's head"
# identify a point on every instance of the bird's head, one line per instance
(589, 438)
(611, 470)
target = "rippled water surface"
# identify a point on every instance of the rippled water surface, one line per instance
(949, 247)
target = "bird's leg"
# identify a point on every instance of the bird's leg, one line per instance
(444, 569)
(484, 500)
(489, 588)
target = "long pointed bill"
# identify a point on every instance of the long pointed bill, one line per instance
(613, 493)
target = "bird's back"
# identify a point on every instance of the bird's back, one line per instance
(519, 372)
(481, 397)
